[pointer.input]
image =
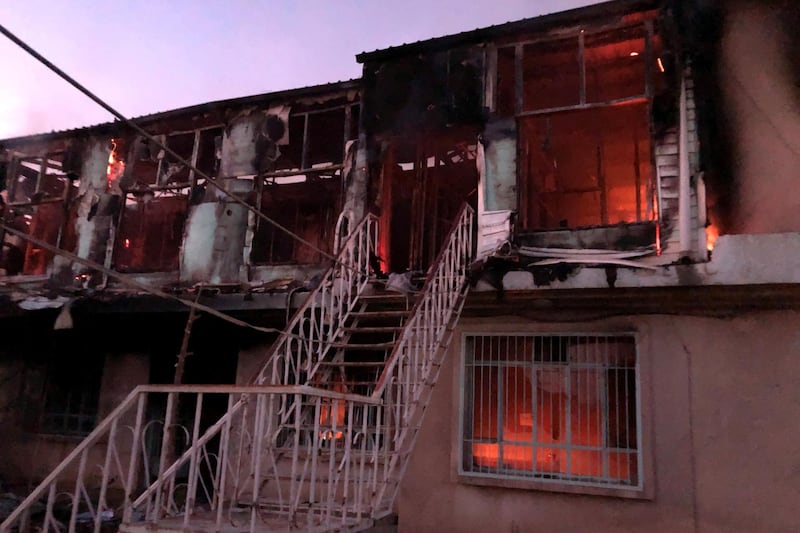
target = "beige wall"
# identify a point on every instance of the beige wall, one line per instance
(721, 424)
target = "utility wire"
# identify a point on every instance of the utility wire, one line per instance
(133, 283)
(19, 42)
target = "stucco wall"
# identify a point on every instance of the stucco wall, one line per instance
(720, 426)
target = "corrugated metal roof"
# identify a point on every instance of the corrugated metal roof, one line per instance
(538, 23)
(242, 101)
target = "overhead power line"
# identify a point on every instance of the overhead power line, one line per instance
(133, 283)
(22, 44)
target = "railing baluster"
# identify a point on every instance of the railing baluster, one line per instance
(223, 461)
(101, 500)
(76, 495)
(191, 489)
(258, 436)
(48, 515)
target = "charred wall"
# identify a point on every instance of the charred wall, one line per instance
(744, 58)
(426, 91)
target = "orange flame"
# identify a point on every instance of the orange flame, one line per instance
(115, 166)
(712, 233)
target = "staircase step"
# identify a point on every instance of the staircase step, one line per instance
(351, 363)
(366, 346)
(374, 329)
(379, 314)
(385, 296)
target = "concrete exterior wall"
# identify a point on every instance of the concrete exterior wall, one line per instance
(720, 423)
(212, 246)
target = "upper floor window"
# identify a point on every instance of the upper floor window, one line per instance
(156, 201)
(40, 190)
(584, 129)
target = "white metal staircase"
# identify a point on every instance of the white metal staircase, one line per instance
(318, 442)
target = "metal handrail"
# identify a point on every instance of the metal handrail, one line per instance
(101, 430)
(458, 241)
(317, 322)
(327, 459)
(352, 261)
(412, 368)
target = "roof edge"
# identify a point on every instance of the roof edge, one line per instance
(540, 23)
(311, 90)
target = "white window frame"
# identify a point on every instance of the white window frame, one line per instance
(530, 479)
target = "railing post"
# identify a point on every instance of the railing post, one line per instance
(133, 465)
(101, 500)
(166, 440)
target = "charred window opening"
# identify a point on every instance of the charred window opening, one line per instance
(150, 233)
(506, 99)
(40, 192)
(425, 183)
(303, 191)
(306, 205)
(326, 136)
(584, 127)
(551, 75)
(555, 408)
(317, 138)
(587, 167)
(150, 229)
(172, 171)
(146, 159)
(209, 145)
(615, 65)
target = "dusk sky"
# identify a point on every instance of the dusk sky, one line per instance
(147, 56)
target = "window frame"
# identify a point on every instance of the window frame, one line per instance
(55, 422)
(517, 110)
(552, 483)
(137, 195)
(47, 160)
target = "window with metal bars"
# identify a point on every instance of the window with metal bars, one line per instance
(556, 408)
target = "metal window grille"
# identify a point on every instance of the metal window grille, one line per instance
(561, 408)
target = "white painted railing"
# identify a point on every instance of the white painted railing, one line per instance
(254, 468)
(319, 321)
(274, 456)
(413, 367)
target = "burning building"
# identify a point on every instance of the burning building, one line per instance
(564, 240)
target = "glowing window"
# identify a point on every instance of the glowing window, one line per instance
(553, 408)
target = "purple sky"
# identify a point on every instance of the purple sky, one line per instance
(146, 56)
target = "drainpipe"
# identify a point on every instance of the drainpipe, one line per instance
(684, 198)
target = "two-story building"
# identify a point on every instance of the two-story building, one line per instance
(625, 355)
